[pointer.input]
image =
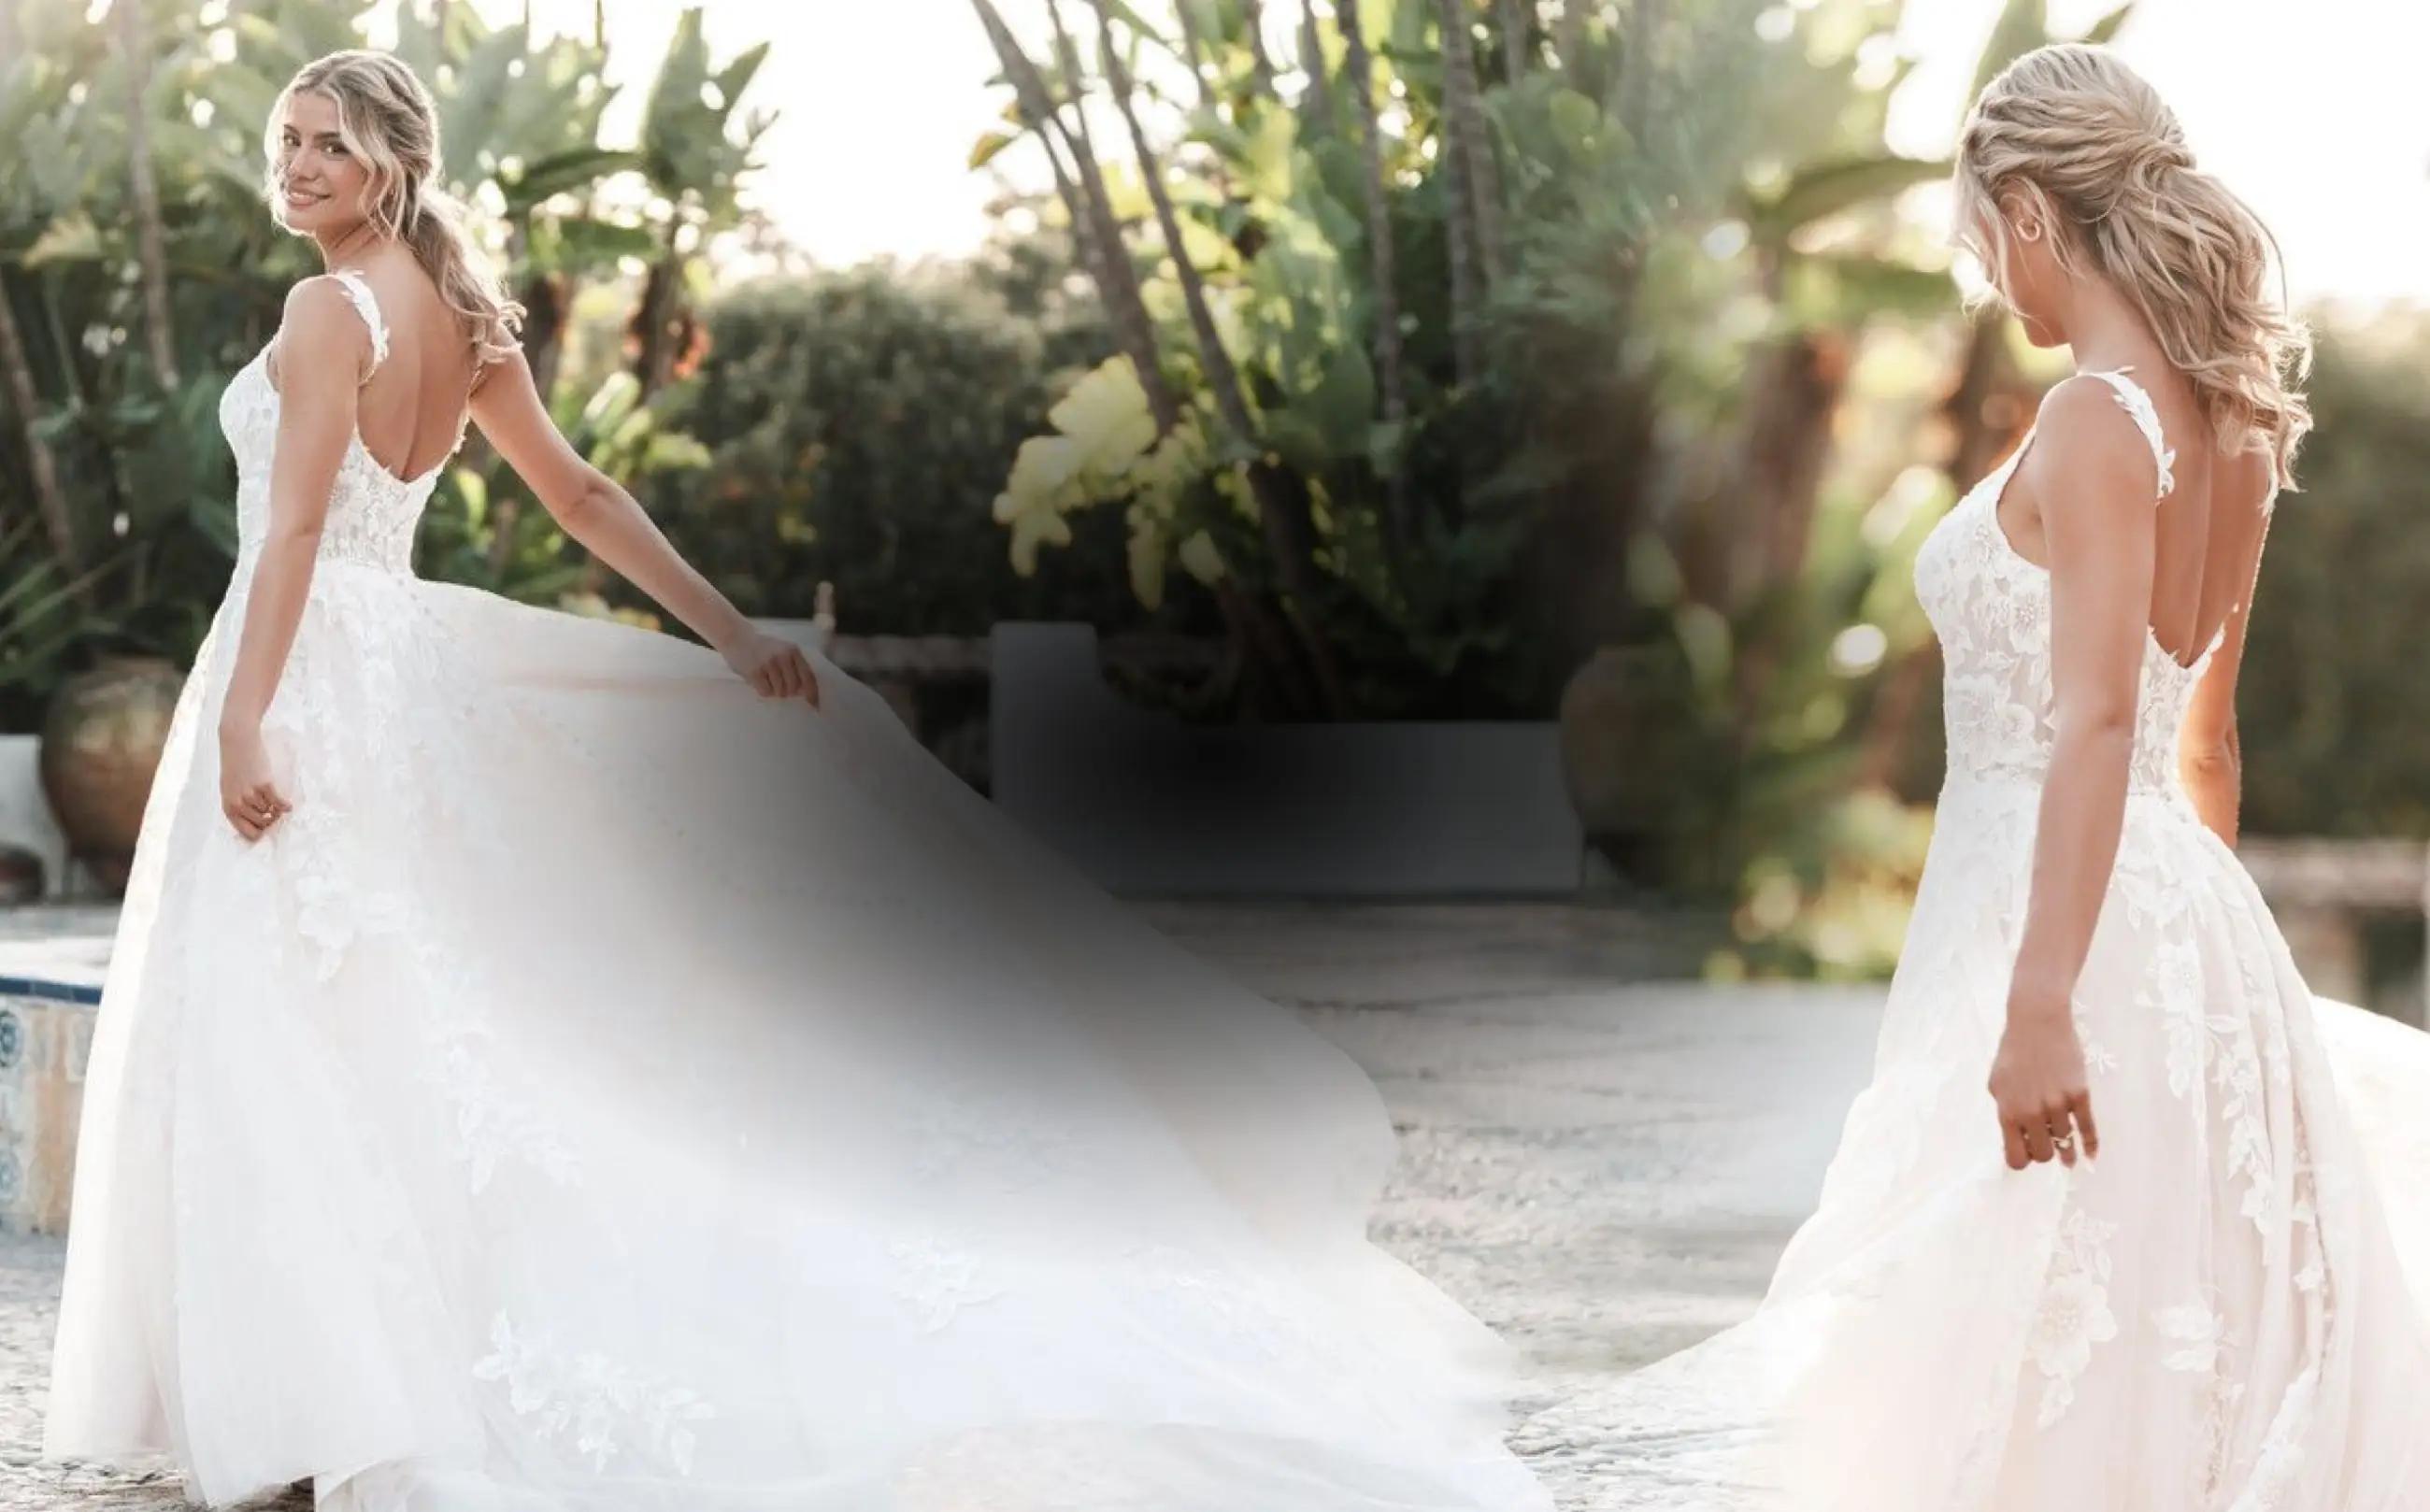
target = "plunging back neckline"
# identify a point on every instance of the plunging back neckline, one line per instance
(2146, 419)
(358, 293)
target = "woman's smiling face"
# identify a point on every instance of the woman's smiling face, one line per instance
(321, 180)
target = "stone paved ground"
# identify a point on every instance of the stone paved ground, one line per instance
(1602, 1168)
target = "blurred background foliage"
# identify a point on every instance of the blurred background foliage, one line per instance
(857, 422)
(1579, 359)
(2334, 670)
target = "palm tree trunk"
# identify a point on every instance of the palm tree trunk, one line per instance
(1514, 38)
(49, 498)
(1638, 70)
(1067, 52)
(1193, 50)
(1796, 385)
(1083, 191)
(1787, 438)
(658, 330)
(1282, 515)
(1252, 15)
(1359, 73)
(1465, 134)
(1267, 647)
(1572, 40)
(549, 299)
(1983, 373)
(151, 245)
(1222, 378)
(655, 323)
(1261, 667)
(1318, 97)
(1459, 240)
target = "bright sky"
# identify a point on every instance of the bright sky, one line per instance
(2312, 109)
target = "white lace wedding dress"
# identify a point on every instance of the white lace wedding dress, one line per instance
(2225, 1313)
(607, 1091)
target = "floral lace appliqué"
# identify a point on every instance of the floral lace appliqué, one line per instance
(1991, 610)
(936, 1274)
(2195, 1333)
(608, 1410)
(2074, 1314)
(2137, 405)
(359, 293)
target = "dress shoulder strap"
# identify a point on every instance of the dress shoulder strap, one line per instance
(358, 293)
(2138, 404)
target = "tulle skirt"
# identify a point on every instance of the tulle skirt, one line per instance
(607, 1090)
(2226, 1310)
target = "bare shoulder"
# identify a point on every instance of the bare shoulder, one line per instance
(320, 333)
(2092, 450)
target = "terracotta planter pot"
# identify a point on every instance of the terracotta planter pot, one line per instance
(102, 740)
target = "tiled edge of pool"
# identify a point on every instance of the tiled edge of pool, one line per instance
(50, 993)
(35, 987)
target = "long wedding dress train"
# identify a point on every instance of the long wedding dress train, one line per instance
(607, 1091)
(2225, 1312)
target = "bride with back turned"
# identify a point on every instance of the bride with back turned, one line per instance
(536, 1075)
(2116, 1225)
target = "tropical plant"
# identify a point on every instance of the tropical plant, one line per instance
(1599, 338)
(1393, 377)
(695, 158)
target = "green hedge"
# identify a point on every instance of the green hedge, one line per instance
(2334, 702)
(859, 425)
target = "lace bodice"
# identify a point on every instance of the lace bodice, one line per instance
(1990, 608)
(373, 513)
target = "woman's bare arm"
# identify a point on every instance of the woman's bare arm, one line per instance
(2095, 480)
(322, 345)
(2095, 484)
(593, 509)
(322, 348)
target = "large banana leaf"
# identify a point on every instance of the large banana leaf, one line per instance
(1827, 189)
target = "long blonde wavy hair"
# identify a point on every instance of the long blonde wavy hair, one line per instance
(387, 120)
(2090, 147)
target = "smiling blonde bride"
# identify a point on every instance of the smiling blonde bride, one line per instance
(549, 1065)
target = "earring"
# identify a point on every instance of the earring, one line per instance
(2029, 231)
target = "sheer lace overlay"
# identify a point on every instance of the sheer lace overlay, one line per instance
(2216, 1315)
(1991, 607)
(605, 1091)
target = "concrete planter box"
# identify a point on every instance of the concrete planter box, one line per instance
(1143, 803)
